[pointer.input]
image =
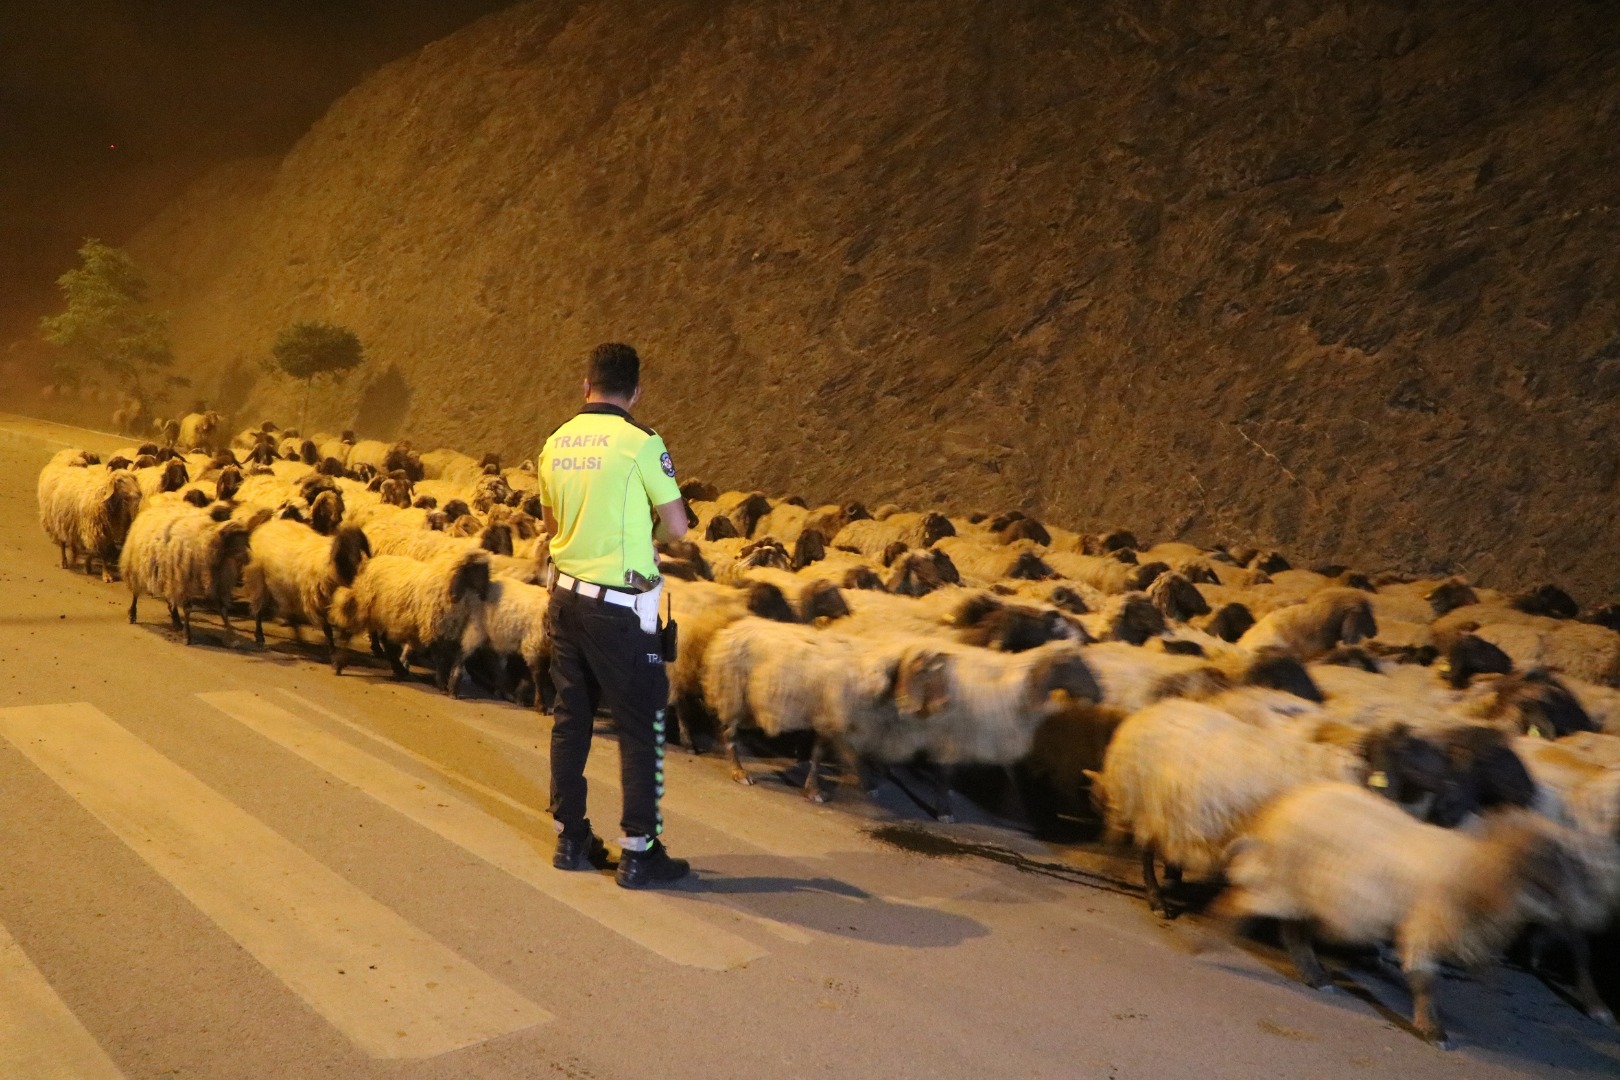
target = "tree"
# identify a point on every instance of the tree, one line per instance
(307, 349)
(107, 322)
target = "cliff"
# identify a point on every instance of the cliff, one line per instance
(1340, 278)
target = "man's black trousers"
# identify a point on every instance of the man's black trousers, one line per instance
(598, 651)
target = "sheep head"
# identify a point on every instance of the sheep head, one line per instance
(1177, 597)
(174, 476)
(767, 602)
(935, 527)
(350, 548)
(326, 512)
(822, 601)
(228, 483)
(1061, 672)
(470, 578)
(720, 528)
(922, 683)
(810, 547)
(497, 539)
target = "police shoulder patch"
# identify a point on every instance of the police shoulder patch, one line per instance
(669, 466)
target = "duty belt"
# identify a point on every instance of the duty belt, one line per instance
(592, 591)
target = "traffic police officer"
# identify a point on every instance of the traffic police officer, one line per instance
(601, 477)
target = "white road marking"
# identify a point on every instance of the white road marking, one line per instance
(796, 832)
(39, 1036)
(780, 929)
(652, 921)
(391, 989)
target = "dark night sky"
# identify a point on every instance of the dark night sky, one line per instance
(109, 107)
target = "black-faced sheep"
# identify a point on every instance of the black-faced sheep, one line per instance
(701, 609)
(870, 537)
(293, 572)
(421, 605)
(1184, 778)
(512, 624)
(1309, 629)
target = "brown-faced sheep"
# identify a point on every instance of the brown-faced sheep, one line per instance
(185, 555)
(87, 510)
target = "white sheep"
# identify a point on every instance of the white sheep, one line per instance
(1133, 678)
(185, 554)
(1104, 572)
(294, 570)
(984, 563)
(1579, 788)
(701, 609)
(512, 622)
(1352, 867)
(409, 603)
(786, 678)
(87, 510)
(1184, 778)
(872, 538)
(1315, 626)
(199, 430)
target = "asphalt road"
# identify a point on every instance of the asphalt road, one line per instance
(229, 863)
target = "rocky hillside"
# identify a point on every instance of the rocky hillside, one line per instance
(1340, 278)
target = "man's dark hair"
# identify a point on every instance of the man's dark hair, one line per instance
(614, 370)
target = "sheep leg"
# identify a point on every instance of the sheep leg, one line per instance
(107, 571)
(1296, 937)
(942, 810)
(1150, 881)
(1580, 951)
(1424, 1015)
(65, 564)
(174, 618)
(855, 769)
(228, 638)
(331, 640)
(187, 606)
(392, 653)
(454, 661)
(812, 780)
(738, 773)
(379, 647)
(134, 600)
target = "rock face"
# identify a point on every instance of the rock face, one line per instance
(1340, 279)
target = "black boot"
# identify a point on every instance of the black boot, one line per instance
(646, 869)
(583, 852)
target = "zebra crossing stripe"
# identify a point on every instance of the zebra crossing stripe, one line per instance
(387, 986)
(39, 1036)
(654, 922)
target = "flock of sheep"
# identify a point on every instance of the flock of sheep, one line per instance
(1366, 759)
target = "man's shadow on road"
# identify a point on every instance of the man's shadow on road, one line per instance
(828, 905)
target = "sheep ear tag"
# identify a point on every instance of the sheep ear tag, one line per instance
(1535, 732)
(1379, 779)
(1059, 696)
